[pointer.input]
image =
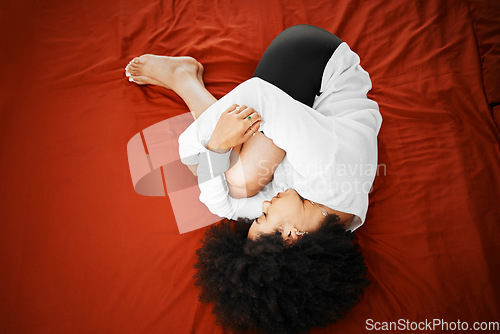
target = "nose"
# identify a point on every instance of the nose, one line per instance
(289, 233)
(265, 205)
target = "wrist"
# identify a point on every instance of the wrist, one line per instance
(217, 148)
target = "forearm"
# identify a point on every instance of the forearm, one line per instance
(194, 168)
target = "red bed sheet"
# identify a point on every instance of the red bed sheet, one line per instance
(81, 252)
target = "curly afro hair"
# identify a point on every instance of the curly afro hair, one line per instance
(268, 286)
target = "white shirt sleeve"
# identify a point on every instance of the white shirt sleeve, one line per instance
(215, 193)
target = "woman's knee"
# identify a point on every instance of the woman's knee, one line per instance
(299, 34)
(253, 166)
(244, 188)
(245, 179)
(243, 185)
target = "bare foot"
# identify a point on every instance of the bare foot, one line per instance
(162, 71)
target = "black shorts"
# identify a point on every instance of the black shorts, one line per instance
(296, 59)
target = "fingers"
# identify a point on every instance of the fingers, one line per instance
(253, 118)
(231, 108)
(246, 111)
(243, 112)
(252, 130)
(237, 109)
(234, 109)
(250, 119)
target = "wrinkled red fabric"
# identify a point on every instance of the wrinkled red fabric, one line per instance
(82, 252)
(485, 16)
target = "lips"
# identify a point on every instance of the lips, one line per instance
(277, 196)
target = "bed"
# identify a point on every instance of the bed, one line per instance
(83, 252)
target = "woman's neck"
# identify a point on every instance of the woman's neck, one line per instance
(345, 218)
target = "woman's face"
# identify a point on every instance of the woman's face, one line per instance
(287, 213)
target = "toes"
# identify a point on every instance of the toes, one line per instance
(133, 70)
(139, 79)
(134, 67)
(134, 62)
(135, 79)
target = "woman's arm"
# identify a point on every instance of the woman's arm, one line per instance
(233, 129)
(252, 163)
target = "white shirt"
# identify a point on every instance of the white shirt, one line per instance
(331, 148)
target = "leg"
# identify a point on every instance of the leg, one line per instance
(296, 59)
(294, 62)
(184, 75)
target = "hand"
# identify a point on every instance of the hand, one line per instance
(236, 124)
